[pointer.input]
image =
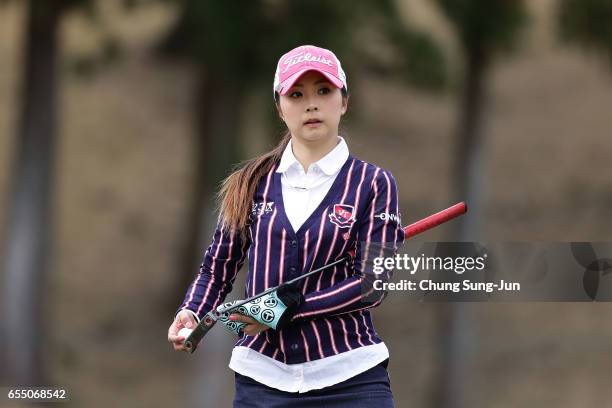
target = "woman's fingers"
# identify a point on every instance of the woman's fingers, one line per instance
(236, 317)
(177, 343)
(173, 332)
(253, 326)
(251, 329)
(179, 347)
(186, 320)
(183, 319)
(175, 338)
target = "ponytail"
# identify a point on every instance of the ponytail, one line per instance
(237, 190)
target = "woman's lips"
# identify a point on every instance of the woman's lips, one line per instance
(312, 123)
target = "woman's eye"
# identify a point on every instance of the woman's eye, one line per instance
(324, 90)
(295, 94)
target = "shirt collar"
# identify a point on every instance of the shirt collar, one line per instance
(329, 164)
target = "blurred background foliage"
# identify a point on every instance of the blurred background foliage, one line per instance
(119, 118)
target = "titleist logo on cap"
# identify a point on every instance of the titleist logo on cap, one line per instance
(308, 57)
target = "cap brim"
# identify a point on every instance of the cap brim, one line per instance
(285, 86)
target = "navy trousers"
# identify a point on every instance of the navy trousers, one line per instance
(370, 389)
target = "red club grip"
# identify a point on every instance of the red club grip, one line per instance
(435, 220)
(431, 221)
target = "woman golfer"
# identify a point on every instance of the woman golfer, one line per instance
(296, 208)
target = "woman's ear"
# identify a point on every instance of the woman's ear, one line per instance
(344, 104)
(279, 111)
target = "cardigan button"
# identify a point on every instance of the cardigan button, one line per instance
(294, 243)
(292, 269)
(294, 347)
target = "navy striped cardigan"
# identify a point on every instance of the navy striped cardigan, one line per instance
(360, 206)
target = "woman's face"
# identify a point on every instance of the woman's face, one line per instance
(312, 108)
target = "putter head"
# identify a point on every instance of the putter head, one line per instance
(207, 323)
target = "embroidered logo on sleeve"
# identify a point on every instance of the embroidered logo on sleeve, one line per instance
(262, 208)
(342, 215)
(388, 216)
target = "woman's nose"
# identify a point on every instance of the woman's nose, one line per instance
(311, 108)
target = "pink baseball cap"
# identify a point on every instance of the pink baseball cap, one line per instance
(296, 62)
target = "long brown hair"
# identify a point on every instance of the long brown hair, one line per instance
(236, 192)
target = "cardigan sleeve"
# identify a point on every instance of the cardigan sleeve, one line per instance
(222, 260)
(380, 228)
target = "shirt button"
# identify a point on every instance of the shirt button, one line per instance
(294, 347)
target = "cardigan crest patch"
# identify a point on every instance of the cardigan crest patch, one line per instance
(342, 215)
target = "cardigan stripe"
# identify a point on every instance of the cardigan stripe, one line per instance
(360, 207)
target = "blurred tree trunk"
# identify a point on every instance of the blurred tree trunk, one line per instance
(484, 27)
(455, 321)
(215, 147)
(29, 223)
(217, 110)
(468, 167)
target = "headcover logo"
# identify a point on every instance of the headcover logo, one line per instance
(342, 215)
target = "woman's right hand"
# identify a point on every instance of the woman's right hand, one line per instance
(182, 319)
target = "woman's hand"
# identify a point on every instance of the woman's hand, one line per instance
(182, 319)
(253, 326)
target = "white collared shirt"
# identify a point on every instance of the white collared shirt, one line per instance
(303, 191)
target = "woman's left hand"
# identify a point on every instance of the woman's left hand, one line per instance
(253, 326)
